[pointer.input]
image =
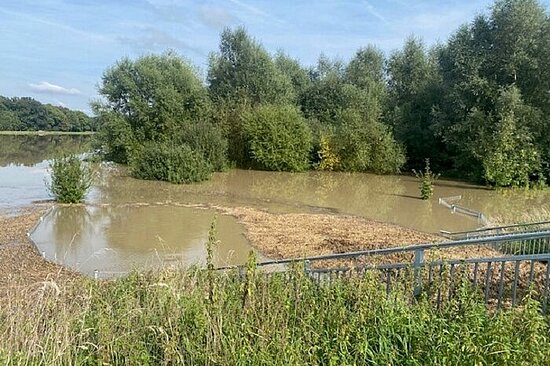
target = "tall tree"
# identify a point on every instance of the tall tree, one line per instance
(243, 71)
(413, 91)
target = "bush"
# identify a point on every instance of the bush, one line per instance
(427, 179)
(278, 138)
(170, 162)
(207, 139)
(366, 146)
(70, 179)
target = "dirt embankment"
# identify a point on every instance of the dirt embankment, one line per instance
(20, 262)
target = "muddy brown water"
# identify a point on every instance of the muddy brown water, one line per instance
(132, 223)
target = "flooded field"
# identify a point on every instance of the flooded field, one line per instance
(23, 166)
(119, 239)
(131, 223)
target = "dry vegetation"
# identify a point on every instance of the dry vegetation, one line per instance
(20, 263)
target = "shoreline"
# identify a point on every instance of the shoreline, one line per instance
(21, 265)
(273, 235)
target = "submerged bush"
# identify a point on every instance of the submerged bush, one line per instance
(207, 139)
(427, 179)
(170, 162)
(70, 179)
(366, 145)
(278, 138)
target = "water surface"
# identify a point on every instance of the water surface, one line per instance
(115, 240)
(131, 222)
(24, 166)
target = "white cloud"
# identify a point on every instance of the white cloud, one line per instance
(49, 88)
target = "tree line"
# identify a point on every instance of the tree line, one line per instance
(477, 106)
(28, 114)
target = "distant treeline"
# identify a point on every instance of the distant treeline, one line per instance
(28, 114)
(478, 106)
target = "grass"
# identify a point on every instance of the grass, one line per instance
(198, 317)
(44, 133)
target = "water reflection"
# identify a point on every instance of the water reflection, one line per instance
(23, 166)
(118, 239)
(29, 150)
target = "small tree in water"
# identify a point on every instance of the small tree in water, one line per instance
(70, 179)
(427, 179)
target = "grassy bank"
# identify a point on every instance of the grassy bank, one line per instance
(44, 133)
(198, 318)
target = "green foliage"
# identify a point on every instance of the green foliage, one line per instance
(115, 139)
(496, 57)
(27, 114)
(328, 158)
(70, 179)
(207, 139)
(167, 318)
(155, 95)
(366, 145)
(477, 106)
(157, 118)
(427, 179)
(413, 89)
(510, 158)
(170, 162)
(278, 138)
(243, 71)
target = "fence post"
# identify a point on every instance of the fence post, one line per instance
(417, 265)
(96, 274)
(307, 265)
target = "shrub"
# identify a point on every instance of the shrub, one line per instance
(427, 179)
(278, 138)
(171, 162)
(328, 159)
(70, 179)
(367, 145)
(207, 139)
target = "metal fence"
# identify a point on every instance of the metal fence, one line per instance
(435, 269)
(449, 202)
(498, 230)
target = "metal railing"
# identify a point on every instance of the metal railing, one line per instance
(498, 230)
(434, 269)
(448, 202)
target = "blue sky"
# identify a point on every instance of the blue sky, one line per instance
(56, 50)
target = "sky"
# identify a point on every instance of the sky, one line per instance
(56, 50)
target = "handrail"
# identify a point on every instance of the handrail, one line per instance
(406, 248)
(494, 228)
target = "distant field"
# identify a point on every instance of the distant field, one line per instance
(44, 133)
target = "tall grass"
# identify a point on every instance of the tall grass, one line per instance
(174, 317)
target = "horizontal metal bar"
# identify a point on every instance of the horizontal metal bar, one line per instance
(482, 260)
(410, 248)
(494, 228)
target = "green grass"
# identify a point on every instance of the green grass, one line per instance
(195, 317)
(44, 133)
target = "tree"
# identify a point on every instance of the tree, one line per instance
(510, 158)
(413, 91)
(242, 71)
(159, 100)
(156, 95)
(278, 138)
(241, 76)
